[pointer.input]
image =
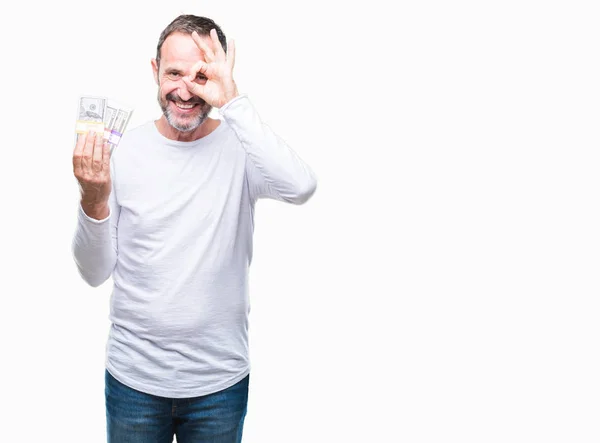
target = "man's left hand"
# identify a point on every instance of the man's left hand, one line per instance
(212, 80)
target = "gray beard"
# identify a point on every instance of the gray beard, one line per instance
(191, 124)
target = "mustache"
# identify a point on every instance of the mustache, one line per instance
(194, 100)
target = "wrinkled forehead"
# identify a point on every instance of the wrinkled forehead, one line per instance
(181, 50)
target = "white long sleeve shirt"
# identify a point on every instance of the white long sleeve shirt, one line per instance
(178, 244)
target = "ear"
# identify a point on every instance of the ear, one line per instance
(155, 70)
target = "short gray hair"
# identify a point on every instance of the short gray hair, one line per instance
(187, 24)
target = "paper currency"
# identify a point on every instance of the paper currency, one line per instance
(91, 114)
(102, 115)
(116, 118)
(109, 119)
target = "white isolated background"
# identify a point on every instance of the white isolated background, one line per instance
(442, 283)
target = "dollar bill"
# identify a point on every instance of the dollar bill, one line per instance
(91, 114)
(117, 117)
(109, 118)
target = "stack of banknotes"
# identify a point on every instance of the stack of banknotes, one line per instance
(100, 114)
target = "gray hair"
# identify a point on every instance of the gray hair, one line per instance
(187, 24)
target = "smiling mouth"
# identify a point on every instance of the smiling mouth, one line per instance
(185, 106)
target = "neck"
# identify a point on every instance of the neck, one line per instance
(205, 128)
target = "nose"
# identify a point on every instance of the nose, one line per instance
(184, 93)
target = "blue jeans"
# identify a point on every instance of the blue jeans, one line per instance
(135, 417)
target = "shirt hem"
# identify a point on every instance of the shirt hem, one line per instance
(176, 393)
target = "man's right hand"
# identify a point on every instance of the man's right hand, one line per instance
(91, 166)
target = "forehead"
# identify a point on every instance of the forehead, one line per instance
(180, 49)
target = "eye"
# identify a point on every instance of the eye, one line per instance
(173, 75)
(200, 77)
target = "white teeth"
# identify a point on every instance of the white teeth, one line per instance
(182, 106)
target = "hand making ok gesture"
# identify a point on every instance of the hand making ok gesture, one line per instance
(212, 79)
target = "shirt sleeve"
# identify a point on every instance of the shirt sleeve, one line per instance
(273, 169)
(95, 243)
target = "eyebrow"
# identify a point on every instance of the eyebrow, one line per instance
(178, 71)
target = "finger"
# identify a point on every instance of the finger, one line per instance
(231, 54)
(106, 157)
(219, 52)
(88, 150)
(194, 88)
(78, 152)
(200, 67)
(209, 55)
(97, 153)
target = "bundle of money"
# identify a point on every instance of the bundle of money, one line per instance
(115, 121)
(100, 114)
(91, 115)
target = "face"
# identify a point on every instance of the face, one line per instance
(184, 111)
